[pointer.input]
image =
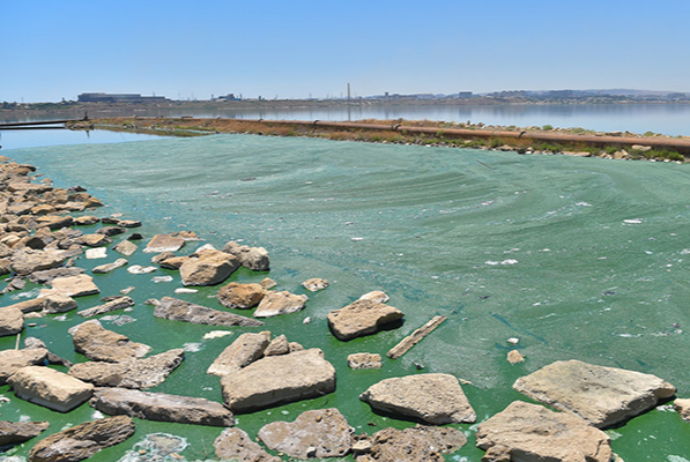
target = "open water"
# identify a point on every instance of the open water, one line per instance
(577, 258)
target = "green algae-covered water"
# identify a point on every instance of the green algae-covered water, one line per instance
(577, 258)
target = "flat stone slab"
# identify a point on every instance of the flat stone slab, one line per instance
(277, 303)
(319, 433)
(164, 243)
(13, 360)
(107, 268)
(126, 248)
(12, 433)
(279, 379)
(49, 388)
(246, 349)
(364, 361)
(161, 407)
(532, 433)
(234, 444)
(11, 321)
(416, 444)
(603, 396)
(119, 303)
(180, 310)
(362, 317)
(26, 261)
(73, 286)
(95, 342)
(83, 441)
(435, 399)
(133, 373)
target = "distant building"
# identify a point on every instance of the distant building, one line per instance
(465, 94)
(119, 98)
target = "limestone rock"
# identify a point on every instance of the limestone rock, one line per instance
(279, 379)
(164, 243)
(161, 407)
(118, 303)
(254, 258)
(234, 444)
(11, 321)
(99, 344)
(208, 268)
(683, 406)
(93, 240)
(13, 360)
(319, 433)
(362, 317)
(315, 284)
(110, 230)
(515, 357)
(246, 349)
(416, 444)
(173, 263)
(32, 343)
(532, 433)
(268, 283)
(47, 276)
(96, 253)
(27, 260)
(603, 396)
(277, 303)
(132, 373)
(58, 303)
(74, 286)
(278, 346)
(241, 296)
(126, 248)
(375, 296)
(12, 433)
(55, 221)
(86, 220)
(180, 310)
(432, 398)
(50, 388)
(83, 441)
(364, 361)
(103, 269)
(138, 269)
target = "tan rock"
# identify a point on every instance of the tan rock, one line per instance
(278, 346)
(27, 260)
(55, 221)
(74, 286)
(13, 360)
(254, 258)
(277, 303)
(164, 243)
(234, 444)
(11, 321)
(180, 310)
(515, 357)
(119, 303)
(94, 240)
(49, 388)
(173, 263)
(246, 349)
(126, 248)
(103, 269)
(210, 267)
(13, 433)
(683, 407)
(268, 283)
(99, 344)
(375, 296)
(315, 284)
(86, 220)
(241, 296)
(362, 317)
(416, 444)
(364, 361)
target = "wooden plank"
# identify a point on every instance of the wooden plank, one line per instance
(414, 338)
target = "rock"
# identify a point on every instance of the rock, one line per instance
(416, 444)
(129, 223)
(131, 373)
(277, 303)
(315, 284)
(268, 283)
(99, 344)
(642, 148)
(73, 286)
(58, 303)
(11, 321)
(13, 360)
(138, 269)
(93, 240)
(86, 220)
(49, 388)
(126, 248)
(103, 269)
(159, 279)
(246, 349)
(47, 276)
(173, 263)
(603, 396)
(532, 433)
(375, 296)
(683, 407)
(319, 433)
(32, 343)
(241, 296)
(27, 260)
(294, 346)
(432, 398)
(13, 433)
(118, 304)
(254, 258)
(234, 444)
(110, 231)
(364, 361)
(55, 221)
(161, 407)
(515, 357)
(279, 379)
(362, 317)
(210, 267)
(83, 441)
(278, 346)
(164, 243)
(96, 253)
(92, 202)
(180, 310)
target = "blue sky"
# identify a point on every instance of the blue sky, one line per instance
(294, 48)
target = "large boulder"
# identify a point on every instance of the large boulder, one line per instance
(241, 296)
(13, 360)
(27, 260)
(74, 286)
(180, 310)
(164, 243)
(246, 349)
(234, 444)
(12, 433)
(277, 303)
(132, 373)
(95, 342)
(603, 396)
(50, 388)
(532, 433)
(432, 398)
(161, 407)
(254, 258)
(83, 441)
(319, 433)
(208, 267)
(11, 321)
(362, 317)
(279, 379)
(416, 444)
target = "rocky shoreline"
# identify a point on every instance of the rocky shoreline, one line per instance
(40, 241)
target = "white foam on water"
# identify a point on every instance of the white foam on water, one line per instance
(673, 458)
(97, 415)
(633, 221)
(583, 204)
(510, 261)
(193, 347)
(216, 334)
(30, 294)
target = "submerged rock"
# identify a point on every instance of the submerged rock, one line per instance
(416, 444)
(12, 433)
(100, 344)
(246, 349)
(315, 284)
(532, 433)
(234, 444)
(83, 441)
(50, 388)
(180, 310)
(432, 398)
(362, 317)
(277, 303)
(319, 433)
(161, 407)
(603, 396)
(241, 296)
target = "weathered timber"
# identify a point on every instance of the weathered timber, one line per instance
(414, 338)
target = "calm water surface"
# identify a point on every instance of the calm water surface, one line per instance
(578, 258)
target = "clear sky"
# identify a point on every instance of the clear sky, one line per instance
(50, 49)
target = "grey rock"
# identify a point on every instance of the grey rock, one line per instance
(416, 444)
(180, 310)
(254, 258)
(47, 276)
(246, 349)
(126, 248)
(100, 344)
(12, 433)
(277, 303)
(235, 445)
(107, 268)
(362, 317)
(32, 343)
(93, 240)
(315, 284)
(25, 261)
(50, 388)
(164, 243)
(117, 304)
(278, 346)
(74, 286)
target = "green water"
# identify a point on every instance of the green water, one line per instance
(534, 247)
